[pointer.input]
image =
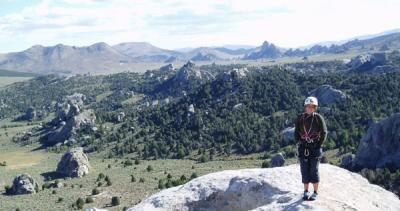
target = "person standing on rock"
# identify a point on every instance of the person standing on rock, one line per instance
(310, 132)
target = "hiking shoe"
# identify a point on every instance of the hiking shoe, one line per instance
(306, 195)
(313, 196)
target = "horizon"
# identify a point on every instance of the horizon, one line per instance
(179, 24)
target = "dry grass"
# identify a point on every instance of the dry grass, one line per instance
(4, 81)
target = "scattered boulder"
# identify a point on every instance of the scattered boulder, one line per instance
(326, 95)
(120, 116)
(191, 109)
(272, 189)
(380, 145)
(347, 161)
(24, 184)
(324, 159)
(288, 133)
(278, 160)
(74, 163)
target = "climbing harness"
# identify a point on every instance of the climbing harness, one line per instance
(308, 136)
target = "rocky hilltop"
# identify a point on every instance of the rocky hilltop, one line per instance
(277, 188)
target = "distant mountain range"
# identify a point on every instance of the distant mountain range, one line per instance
(103, 58)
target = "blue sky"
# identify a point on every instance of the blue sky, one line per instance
(187, 23)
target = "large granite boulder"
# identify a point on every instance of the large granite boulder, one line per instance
(24, 184)
(30, 114)
(74, 163)
(326, 95)
(347, 161)
(272, 189)
(380, 146)
(278, 160)
(288, 134)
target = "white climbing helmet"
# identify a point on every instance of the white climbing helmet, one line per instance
(311, 100)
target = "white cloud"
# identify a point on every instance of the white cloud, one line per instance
(178, 23)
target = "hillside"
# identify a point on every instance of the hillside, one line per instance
(64, 59)
(140, 56)
(186, 121)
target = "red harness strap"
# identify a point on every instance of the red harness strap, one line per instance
(307, 135)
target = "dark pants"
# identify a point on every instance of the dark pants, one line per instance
(309, 169)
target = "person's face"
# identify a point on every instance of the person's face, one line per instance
(310, 108)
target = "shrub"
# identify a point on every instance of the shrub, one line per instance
(95, 191)
(203, 159)
(115, 201)
(100, 177)
(89, 200)
(60, 199)
(79, 203)
(149, 168)
(133, 179)
(54, 192)
(161, 184)
(265, 164)
(8, 189)
(137, 162)
(194, 175)
(141, 180)
(128, 163)
(46, 185)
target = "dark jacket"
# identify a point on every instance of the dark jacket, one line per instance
(317, 132)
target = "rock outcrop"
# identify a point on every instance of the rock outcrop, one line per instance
(74, 163)
(190, 71)
(167, 68)
(380, 146)
(33, 114)
(277, 188)
(70, 118)
(24, 184)
(266, 50)
(326, 95)
(367, 62)
(234, 74)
